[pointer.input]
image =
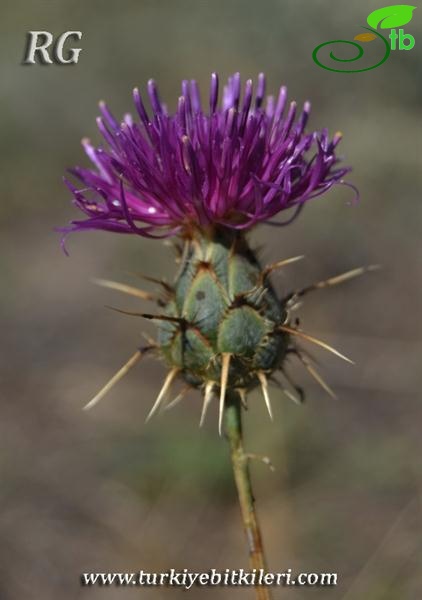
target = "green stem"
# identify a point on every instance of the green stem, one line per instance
(240, 462)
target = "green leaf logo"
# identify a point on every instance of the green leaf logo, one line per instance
(391, 16)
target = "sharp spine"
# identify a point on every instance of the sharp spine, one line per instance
(117, 377)
(209, 387)
(314, 340)
(264, 387)
(166, 386)
(126, 289)
(223, 386)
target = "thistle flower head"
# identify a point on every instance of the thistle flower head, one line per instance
(210, 174)
(231, 163)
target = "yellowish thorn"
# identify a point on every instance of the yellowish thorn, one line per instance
(166, 386)
(332, 281)
(178, 398)
(149, 339)
(314, 340)
(223, 386)
(264, 387)
(291, 396)
(115, 379)
(278, 265)
(126, 289)
(207, 399)
(346, 276)
(314, 373)
(296, 399)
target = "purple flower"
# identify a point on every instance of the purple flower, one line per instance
(233, 164)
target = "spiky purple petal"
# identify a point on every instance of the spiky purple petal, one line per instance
(236, 165)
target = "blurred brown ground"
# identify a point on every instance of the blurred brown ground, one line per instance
(101, 491)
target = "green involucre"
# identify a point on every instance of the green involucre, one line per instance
(225, 305)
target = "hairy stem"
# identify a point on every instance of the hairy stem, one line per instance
(240, 462)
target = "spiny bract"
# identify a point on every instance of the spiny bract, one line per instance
(226, 306)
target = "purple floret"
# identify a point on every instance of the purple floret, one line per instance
(231, 165)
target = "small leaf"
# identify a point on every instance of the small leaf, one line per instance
(391, 16)
(365, 37)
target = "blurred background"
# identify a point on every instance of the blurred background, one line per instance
(100, 491)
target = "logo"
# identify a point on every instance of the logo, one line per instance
(389, 17)
(41, 45)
